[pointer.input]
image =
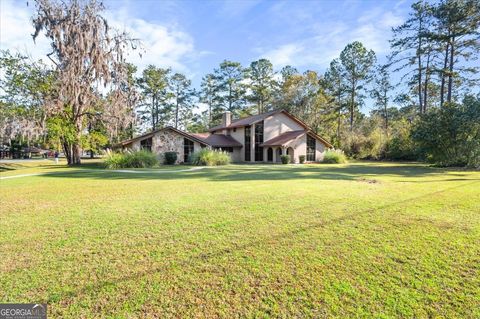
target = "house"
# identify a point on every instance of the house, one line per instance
(258, 138)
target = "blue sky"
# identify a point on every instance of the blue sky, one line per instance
(195, 36)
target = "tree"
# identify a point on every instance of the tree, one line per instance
(380, 92)
(262, 83)
(132, 99)
(451, 135)
(335, 86)
(229, 77)
(209, 94)
(412, 47)
(154, 86)
(26, 85)
(183, 94)
(356, 62)
(287, 71)
(87, 55)
(457, 32)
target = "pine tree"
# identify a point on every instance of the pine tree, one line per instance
(262, 84)
(356, 62)
(182, 94)
(229, 78)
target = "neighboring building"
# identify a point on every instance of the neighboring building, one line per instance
(259, 138)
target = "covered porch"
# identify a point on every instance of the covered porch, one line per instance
(282, 145)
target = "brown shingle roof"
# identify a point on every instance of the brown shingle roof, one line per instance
(245, 121)
(217, 140)
(150, 134)
(283, 138)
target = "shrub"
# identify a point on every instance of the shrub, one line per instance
(334, 157)
(285, 159)
(208, 157)
(114, 160)
(170, 158)
(131, 159)
(450, 136)
(301, 159)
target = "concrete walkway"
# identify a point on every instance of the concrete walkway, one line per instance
(158, 171)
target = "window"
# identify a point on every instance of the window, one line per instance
(258, 141)
(310, 149)
(235, 129)
(187, 149)
(146, 144)
(247, 143)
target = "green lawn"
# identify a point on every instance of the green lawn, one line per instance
(358, 240)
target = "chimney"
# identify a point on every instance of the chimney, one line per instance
(226, 118)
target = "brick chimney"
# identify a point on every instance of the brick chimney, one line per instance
(226, 118)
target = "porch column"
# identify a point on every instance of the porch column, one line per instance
(274, 158)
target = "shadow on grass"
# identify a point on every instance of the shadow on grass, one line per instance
(208, 256)
(267, 173)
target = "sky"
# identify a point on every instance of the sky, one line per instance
(194, 37)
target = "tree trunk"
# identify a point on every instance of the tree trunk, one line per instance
(230, 98)
(419, 57)
(176, 116)
(450, 73)
(210, 114)
(67, 149)
(420, 101)
(385, 110)
(352, 108)
(76, 154)
(425, 85)
(339, 120)
(442, 85)
(153, 112)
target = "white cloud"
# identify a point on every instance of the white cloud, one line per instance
(16, 30)
(164, 45)
(372, 29)
(284, 55)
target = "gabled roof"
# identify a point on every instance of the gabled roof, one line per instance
(283, 138)
(220, 140)
(217, 140)
(260, 117)
(150, 134)
(246, 121)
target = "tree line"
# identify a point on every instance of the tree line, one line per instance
(92, 98)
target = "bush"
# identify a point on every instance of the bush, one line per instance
(131, 159)
(285, 159)
(208, 157)
(450, 136)
(170, 158)
(114, 160)
(301, 159)
(334, 157)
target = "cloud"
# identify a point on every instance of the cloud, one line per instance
(16, 30)
(284, 55)
(163, 45)
(314, 50)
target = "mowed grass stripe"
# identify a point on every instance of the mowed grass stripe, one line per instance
(284, 242)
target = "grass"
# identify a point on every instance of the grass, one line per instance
(356, 240)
